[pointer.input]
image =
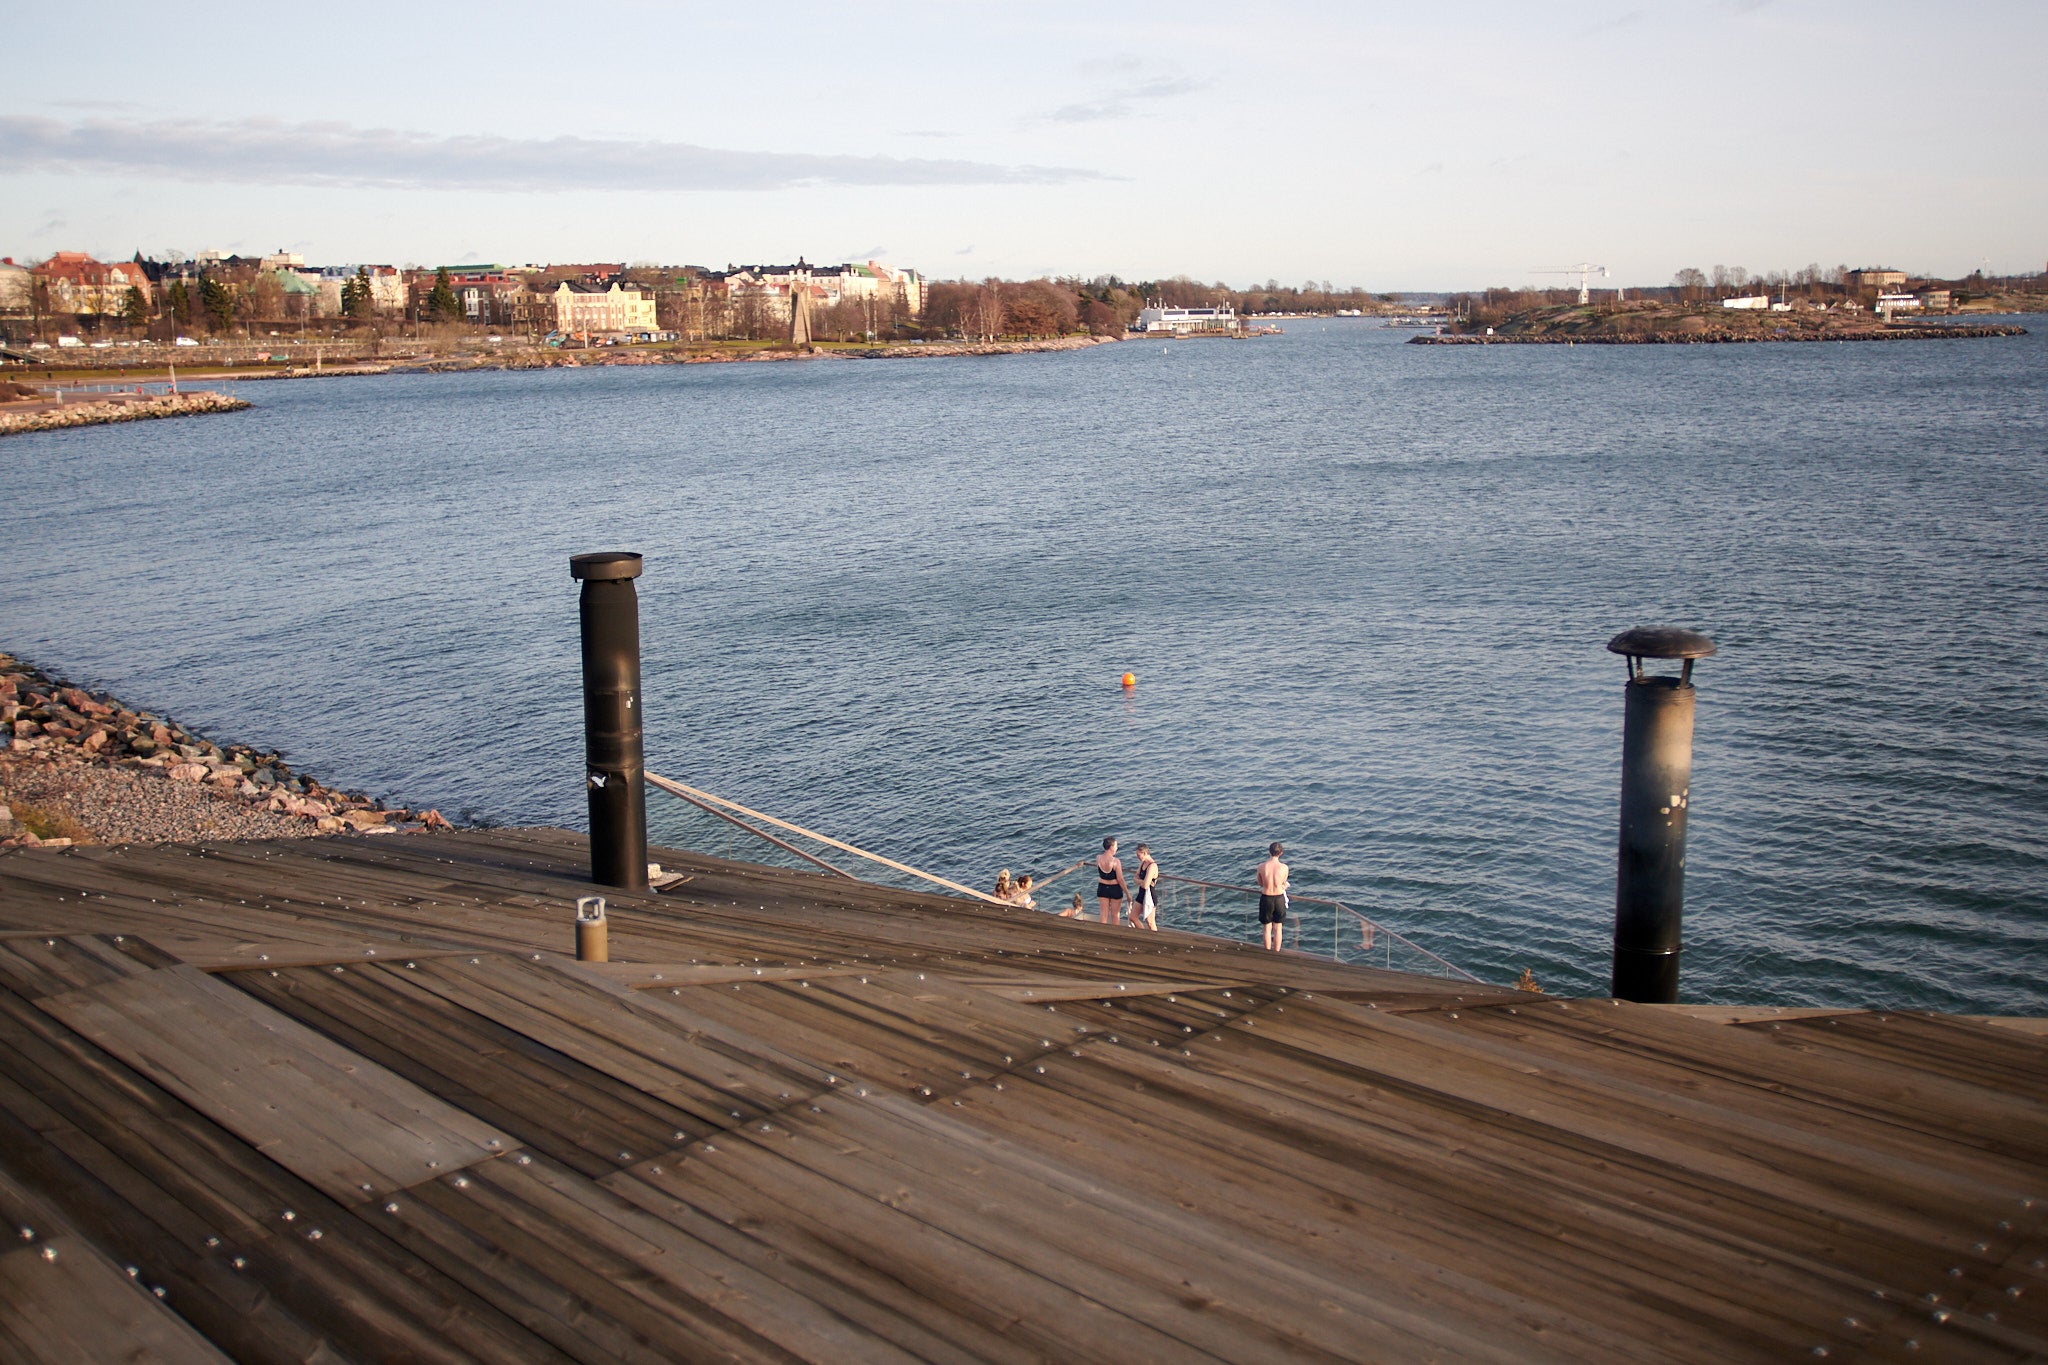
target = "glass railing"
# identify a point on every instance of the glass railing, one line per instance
(702, 822)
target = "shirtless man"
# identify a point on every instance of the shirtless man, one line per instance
(1111, 890)
(1273, 899)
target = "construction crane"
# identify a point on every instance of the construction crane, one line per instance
(1583, 271)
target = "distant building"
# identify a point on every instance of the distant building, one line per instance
(1184, 321)
(584, 309)
(1756, 301)
(281, 259)
(601, 273)
(488, 293)
(80, 284)
(1897, 302)
(1872, 278)
(387, 288)
(17, 287)
(1939, 299)
(826, 285)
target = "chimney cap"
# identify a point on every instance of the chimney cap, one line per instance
(605, 565)
(1661, 642)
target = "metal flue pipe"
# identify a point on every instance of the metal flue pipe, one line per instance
(1656, 792)
(614, 767)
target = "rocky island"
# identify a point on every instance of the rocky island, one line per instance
(1651, 322)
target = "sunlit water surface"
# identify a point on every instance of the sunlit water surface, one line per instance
(1365, 587)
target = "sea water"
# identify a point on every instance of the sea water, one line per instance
(1365, 587)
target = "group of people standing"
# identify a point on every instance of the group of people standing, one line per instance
(1116, 896)
(1130, 897)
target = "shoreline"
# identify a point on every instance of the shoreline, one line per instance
(455, 360)
(80, 766)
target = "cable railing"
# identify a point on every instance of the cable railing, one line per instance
(705, 822)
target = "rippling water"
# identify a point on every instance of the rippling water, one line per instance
(1365, 587)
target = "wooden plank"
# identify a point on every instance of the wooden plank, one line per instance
(64, 1301)
(344, 1124)
(543, 1097)
(225, 1231)
(1742, 1014)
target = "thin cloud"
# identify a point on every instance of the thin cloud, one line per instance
(1125, 103)
(339, 154)
(1619, 21)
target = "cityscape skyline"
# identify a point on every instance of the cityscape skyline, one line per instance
(1365, 146)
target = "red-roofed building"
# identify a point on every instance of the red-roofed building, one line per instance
(80, 284)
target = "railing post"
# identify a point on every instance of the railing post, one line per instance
(614, 766)
(1656, 790)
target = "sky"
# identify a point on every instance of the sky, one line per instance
(1397, 146)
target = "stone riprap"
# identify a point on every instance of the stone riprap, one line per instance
(128, 776)
(116, 408)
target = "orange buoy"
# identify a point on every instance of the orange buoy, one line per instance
(1130, 680)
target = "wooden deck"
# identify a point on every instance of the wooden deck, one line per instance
(349, 1099)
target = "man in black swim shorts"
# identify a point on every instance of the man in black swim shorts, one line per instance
(1273, 898)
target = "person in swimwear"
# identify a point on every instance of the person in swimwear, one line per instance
(1002, 890)
(1020, 892)
(1272, 876)
(1111, 890)
(1074, 911)
(1144, 908)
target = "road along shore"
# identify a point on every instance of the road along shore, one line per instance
(79, 766)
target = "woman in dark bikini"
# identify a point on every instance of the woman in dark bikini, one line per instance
(1144, 909)
(1111, 890)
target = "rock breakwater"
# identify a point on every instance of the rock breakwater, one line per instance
(120, 408)
(80, 765)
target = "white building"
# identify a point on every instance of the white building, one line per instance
(17, 287)
(826, 284)
(1181, 321)
(387, 289)
(1759, 302)
(582, 309)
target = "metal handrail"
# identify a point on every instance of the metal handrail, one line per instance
(1372, 927)
(697, 797)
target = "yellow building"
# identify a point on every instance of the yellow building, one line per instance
(581, 309)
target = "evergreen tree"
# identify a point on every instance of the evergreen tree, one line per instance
(218, 301)
(181, 302)
(135, 308)
(357, 298)
(442, 303)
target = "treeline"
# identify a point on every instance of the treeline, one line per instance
(1107, 305)
(1814, 284)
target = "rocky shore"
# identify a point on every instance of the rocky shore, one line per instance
(115, 408)
(81, 767)
(1711, 337)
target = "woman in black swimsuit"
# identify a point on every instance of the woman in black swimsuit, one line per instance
(1144, 905)
(1110, 888)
